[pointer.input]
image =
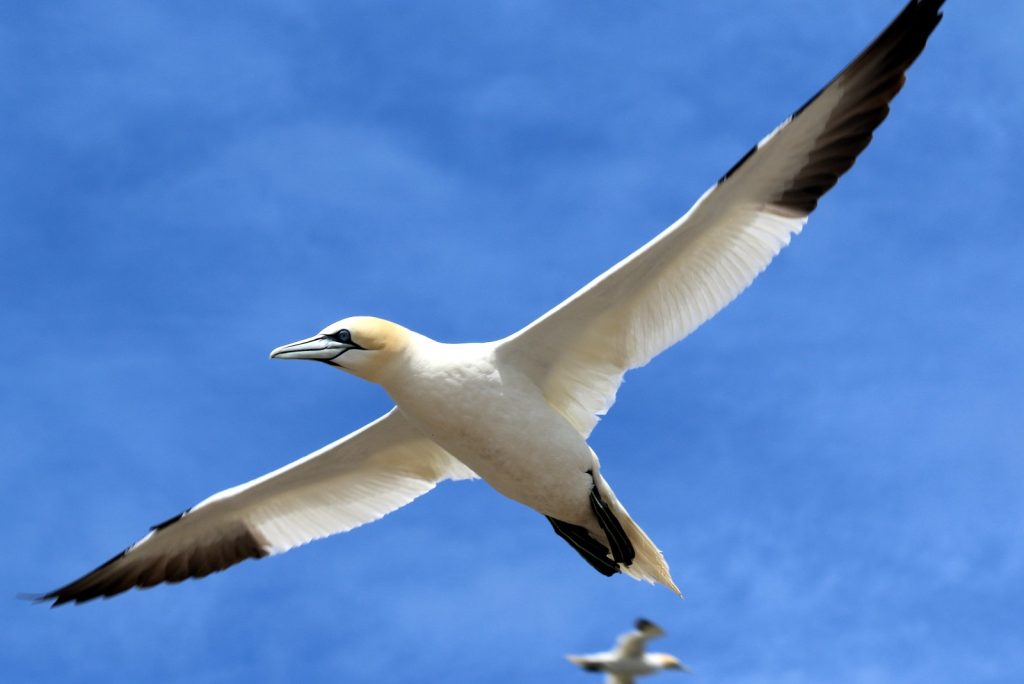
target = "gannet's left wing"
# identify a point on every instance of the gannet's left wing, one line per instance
(578, 352)
(632, 644)
(357, 479)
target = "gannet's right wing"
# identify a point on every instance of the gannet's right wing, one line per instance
(578, 352)
(356, 480)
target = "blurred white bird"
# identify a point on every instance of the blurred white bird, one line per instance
(517, 412)
(629, 659)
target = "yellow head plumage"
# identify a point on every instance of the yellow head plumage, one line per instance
(362, 345)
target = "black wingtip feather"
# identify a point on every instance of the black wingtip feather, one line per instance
(110, 579)
(872, 80)
(170, 521)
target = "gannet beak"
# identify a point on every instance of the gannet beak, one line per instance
(316, 348)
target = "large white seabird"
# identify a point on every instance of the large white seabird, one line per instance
(630, 659)
(517, 412)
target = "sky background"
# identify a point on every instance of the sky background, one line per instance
(833, 465)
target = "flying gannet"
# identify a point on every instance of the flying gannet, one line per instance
(629, 659)
(517, 412)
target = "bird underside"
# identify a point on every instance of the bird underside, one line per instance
(603, 559)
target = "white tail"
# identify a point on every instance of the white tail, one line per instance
(649, 564)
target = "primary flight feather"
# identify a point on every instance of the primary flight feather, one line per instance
(516, 412)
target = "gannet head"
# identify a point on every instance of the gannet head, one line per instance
(362, 345)
(668, 662)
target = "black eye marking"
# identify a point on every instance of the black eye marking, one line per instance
(345, 337)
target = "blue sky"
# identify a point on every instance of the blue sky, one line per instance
(833, 465)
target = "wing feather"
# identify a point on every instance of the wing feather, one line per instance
(353, 481)
(579, 351)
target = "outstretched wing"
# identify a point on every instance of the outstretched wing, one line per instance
(578, 352)
(356, 480)
(632, 644)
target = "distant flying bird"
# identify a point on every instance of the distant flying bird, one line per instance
(517, 412)
(628, 659)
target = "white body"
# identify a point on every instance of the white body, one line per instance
(494, 419)
(477, 402)
(644, 664)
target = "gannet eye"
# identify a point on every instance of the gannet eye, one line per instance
(343, 336)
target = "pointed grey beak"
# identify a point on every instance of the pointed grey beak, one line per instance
(316, 348)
